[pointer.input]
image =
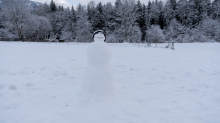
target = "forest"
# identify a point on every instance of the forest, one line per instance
(181, 21)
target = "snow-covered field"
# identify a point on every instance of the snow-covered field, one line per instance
(39, 83)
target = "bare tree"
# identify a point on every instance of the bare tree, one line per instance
(51, 37)
(17, 13)
(125, 17)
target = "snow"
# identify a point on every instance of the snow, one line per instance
(98, 78)
(39, 84)
(98, 52)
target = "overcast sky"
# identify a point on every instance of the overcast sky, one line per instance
(67, 3)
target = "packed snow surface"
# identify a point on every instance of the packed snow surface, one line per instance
(39, 84)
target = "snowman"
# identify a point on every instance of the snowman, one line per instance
(98, 75)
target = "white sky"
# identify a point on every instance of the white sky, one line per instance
(69, 3)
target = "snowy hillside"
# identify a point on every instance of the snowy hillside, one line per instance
(39, 83)
(32, 4)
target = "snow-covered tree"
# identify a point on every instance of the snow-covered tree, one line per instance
(125, 18)
(210, 28)
(37, 27)
(17, 14)
(19, 20)
(161, 16)
(53, 6)
(68, 31)
(58, 21)
(91, 12)
(154, 13)
(155, 34)
(108, 11)
(216, 9)
(5, 27)
(148, 14)
(96, 15)
(175, 29)
(169, 11)
(99, 17)
(141, 19)
(110, 38)
(118, 4)
(183, 11)
(135, 34)
(83, 27)
(42, 10)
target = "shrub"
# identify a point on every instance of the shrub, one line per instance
(210, 28)
(84, 36)
(110, 38)
(155, 34)
(135, 35)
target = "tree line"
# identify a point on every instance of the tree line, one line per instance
(123, 21)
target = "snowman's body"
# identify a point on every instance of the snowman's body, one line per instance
(98, 75)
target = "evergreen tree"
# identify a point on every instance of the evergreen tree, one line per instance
(73, 11)
(182, 10)
(53, 6)
(161, 16)
(73, 22)
(91, 12)
(118, 4)
(155, 13)
(59, 8)
(216, 9)
(149, 14)
(109, 17)
(173, 4)
(169, 11)
(83, 27)
(99, 21)
(141, 19)
(125, 18)
(139, 12)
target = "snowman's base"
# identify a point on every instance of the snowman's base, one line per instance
(98, 80)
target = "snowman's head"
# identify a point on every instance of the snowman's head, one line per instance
(99, 35)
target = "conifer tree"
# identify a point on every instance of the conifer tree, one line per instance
(109, 17)
(161, 16)
(141, 19)
(53, 6)
(91, 12)
(169, 11)
(100, 21)
(73, 11)
(139, 11)
(216, 9)
(148, 14)
(118, 4)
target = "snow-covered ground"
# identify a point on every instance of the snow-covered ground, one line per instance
(39, 83)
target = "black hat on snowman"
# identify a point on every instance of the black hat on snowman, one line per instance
(98, 31)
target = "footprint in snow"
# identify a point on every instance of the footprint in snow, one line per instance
(59, 73)
(29, 84)
(24, 72)
(2, 87)
(2, 72)
(12, 87)
(131, 69)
